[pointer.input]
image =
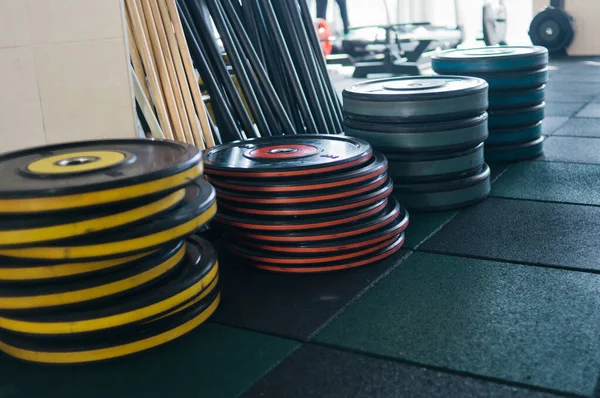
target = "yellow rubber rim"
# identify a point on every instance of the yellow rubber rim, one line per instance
(78, 296)
(81, 162)
(55, 232)
(29, 205)
(112, 352)
(113, 248)
(204, 286)
(41, 272)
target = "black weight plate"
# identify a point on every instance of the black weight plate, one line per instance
(291, 223)
(369, 239)
(375, 167)
(430, 136)
(516, 152)
(515, 80)
(24, 231)
(44, 295)
(192, 276)
(261, 198)
(508, 118)
(436, 165)
(552, 28)
(303, 259)
(286, 156)
(490, 59)
(444, 195)
(319, 208)
(127, 341)
(386, 217)
(378, 255)
(84, 174)
(412, 99)
(513, 136)
(517, 98)
(196, 209)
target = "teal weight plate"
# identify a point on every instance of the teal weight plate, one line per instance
(517, 98)
(514, 153)
(513, 135)
(397, 137)
(403, 167)
(515, 80)
(444, 194)
(507, 118)
(490, 59)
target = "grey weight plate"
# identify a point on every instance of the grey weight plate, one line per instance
(445, 194)
(517, 98)
(490, 59)
(422, 136)
(507, 118)
(515, 153)
(513, 135)
(419, 98)
(402, 167)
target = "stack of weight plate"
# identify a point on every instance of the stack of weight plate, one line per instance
(517, 78)
(431, 129)
(305, 203)
(97, 260)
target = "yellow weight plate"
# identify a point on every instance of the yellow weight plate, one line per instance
(76, 162)
(166, 330)
(26, 298)
(90, 225)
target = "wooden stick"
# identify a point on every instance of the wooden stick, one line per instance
(159, 58)
(191, 76)
(136, 60)
(192, 120)
(164, 45)
(144, 49)
(146, 107)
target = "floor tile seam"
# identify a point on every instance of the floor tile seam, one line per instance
(496, 196)
(501, 173)
(359, 295)
(435, 231)
(442, 369)
(512, 262)
(564, 161)
(262, 332)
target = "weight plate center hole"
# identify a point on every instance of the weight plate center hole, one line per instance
(283, 150)
(76, 161)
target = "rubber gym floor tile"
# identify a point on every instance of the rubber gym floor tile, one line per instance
(551, 181)
(530, 325)
(293, 306)
(552, 123)
(590, 110)
(212, 361)
(551, 234)
(497, 169)
(580, 127)
(567, 109)
(338, 374)
(423, 225)
(572, 149)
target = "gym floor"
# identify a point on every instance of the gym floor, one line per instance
(499, 299)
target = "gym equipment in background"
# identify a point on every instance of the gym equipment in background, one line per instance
(553, 28)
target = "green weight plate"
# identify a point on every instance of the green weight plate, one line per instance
(514, 153)
(444, 194)
(514, 80)
(490, 59)
(513, 135)
(517, 98)
(507, 118)
(429, 136)
(434, 165)
(412, 99)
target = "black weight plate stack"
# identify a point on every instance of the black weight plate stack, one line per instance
(517, 77)
(281, 195)
(95, 246)
(431, 130)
